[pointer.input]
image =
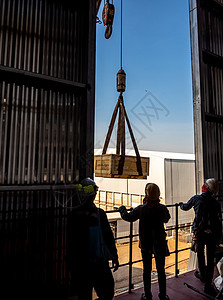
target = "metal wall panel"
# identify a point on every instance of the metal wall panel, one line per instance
(43, 37)
(206, 18)
(39, 132)
(47, 67)
(33, 242)
(179, 187)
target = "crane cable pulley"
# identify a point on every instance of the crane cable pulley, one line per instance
(107, 17)
(121, 85)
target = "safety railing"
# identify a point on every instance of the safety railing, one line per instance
(176, 251)
(111, 199)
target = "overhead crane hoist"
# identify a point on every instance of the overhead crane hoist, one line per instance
(119, 165)
(107, 17)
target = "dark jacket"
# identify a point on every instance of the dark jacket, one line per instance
(211, 203)
(152, 235)
(79, 222)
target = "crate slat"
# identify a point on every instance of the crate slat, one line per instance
(106, 165)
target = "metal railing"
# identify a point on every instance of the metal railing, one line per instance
(176, 251)
(37, 215)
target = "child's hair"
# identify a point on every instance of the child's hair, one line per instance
(152, 191)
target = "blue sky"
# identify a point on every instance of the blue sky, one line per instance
(157, 62)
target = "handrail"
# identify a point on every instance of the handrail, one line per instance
(131, 235)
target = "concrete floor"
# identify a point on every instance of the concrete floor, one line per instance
(176, 289)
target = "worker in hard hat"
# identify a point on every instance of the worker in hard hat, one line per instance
(152, 237)
(91, 246)
(207, 229)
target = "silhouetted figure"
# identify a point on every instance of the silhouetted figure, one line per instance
(207, 229)
(88, 229)
(152, 237)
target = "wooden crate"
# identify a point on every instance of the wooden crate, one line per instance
(106, 165)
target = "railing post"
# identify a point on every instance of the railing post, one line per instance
(130, 257)
(176, 242)
(130, 200)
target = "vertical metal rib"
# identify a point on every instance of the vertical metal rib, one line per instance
(21, 135)
(78, 137)
(12, 137)
(33, 67)
(44, 152)
(60, 138)
(49, 126)
(17, 30)
(24, 138)
(63, 45)
(2, 129)
(30, 135)
(45, 64)
(68, 45)
(16, 148)
(71, 31)
(73, 142)
(57, 123)
(11, 44)
(39, 37)
(77, 57)
(2, 10)
(26, 38)
(33, 169)
(40, 139)
(74, 50)
(60, 32)
(53, 42)
(82, 49)
(6, 127)
(6, 34)
(56, 43)
(29, 33)
(68, 158)
(21, 43)
(65, 139)
(52, 159)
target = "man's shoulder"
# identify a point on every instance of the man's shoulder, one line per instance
(196, 198)
(210, 199)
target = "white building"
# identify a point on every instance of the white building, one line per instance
(174, 173)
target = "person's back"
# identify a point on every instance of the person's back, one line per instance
(151, 227)
(152, 237)
(207, 229)
(89, 233)
(207, 217)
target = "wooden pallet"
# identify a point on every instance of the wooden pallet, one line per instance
(106, 165)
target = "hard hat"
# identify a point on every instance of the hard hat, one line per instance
(89, 186)
(212, 185)
(152, 191)
(86, 191)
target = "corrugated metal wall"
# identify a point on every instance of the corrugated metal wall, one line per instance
(179, 187)
(40, 135)
(41, 116)
(206, 17)
(47, 65)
